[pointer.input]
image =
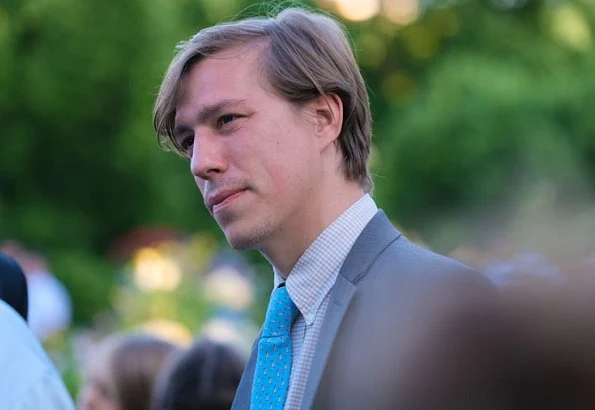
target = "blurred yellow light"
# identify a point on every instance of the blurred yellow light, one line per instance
(229, 287)
(570, 27)
(402, 12)
(169, 330)
(155, 271)
(358, 10)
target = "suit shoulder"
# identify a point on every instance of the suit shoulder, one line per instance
(410, 256)
(406, 263)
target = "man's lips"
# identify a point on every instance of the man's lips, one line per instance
(223, 198)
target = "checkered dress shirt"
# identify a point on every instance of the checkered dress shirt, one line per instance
(309, 284)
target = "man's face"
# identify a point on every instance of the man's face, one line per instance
(254, 155)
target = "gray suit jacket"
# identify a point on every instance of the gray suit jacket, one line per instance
(388, 301)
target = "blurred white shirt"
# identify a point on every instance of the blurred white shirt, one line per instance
(28, 378)
(50, 307)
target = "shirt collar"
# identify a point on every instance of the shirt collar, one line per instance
(315, 272)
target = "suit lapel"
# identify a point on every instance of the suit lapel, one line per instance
(376, 236)
(244, 392)
(341, 295)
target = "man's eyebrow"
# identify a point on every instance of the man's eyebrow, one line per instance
(206, 113)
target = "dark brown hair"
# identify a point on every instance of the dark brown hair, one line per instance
(204, 377)
(135, 362)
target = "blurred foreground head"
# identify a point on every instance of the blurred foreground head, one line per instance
(121, 371)
(205, 377)
(552, 361)
(13, 285)
(535, 350)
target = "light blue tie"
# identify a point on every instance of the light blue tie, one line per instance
(273, 364)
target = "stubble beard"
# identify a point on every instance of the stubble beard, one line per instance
(249, 236)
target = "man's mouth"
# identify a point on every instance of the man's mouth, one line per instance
(223, 198)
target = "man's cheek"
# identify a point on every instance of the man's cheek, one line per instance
(201, 185)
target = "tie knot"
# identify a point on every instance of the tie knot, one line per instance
(280, 314)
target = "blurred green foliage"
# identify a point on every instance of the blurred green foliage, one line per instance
(499, 108)
(473, 106)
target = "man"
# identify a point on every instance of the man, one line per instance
(13, 285)
(274, 116)
(28, 380)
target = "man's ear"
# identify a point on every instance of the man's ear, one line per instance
(327, 112)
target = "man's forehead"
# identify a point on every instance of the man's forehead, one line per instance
(195, 100)
(222, 77)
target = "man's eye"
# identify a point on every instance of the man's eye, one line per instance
(226, 119)
(186, 143)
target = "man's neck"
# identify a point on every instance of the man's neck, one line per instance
(289, 244)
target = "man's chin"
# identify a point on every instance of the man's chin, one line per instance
(242, 233)
(241, 241)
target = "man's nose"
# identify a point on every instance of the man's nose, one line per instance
(208, 157)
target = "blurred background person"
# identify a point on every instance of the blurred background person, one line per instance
(204, 377)
(28, 379)
(49, 304)
(13, 285)
(121, 370)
